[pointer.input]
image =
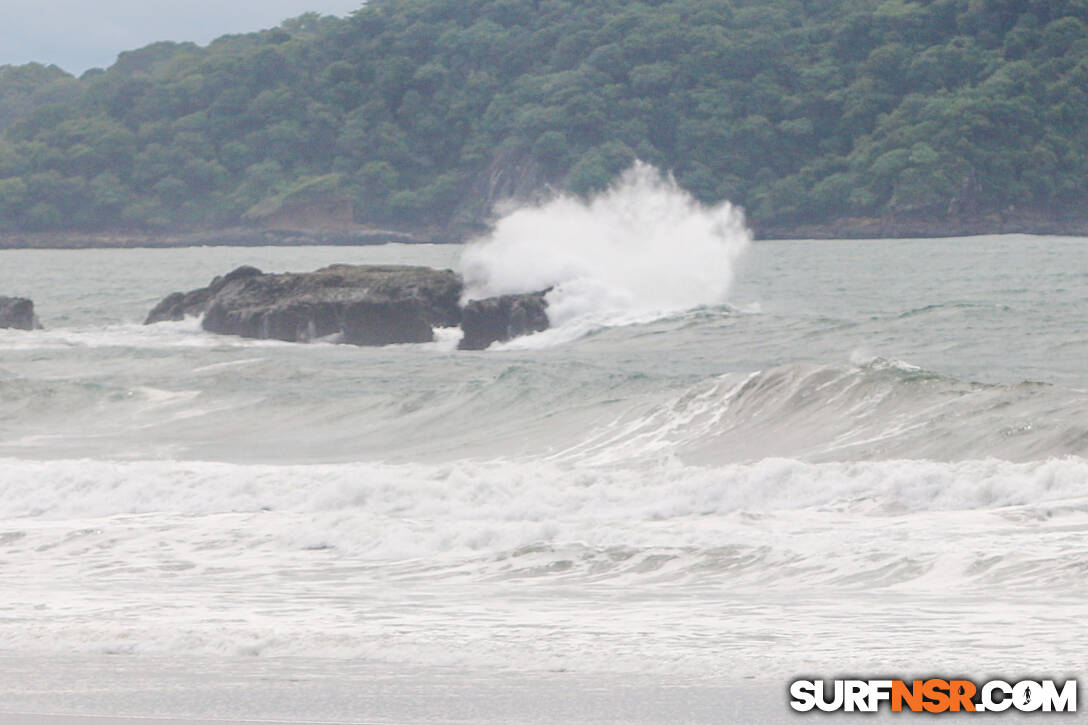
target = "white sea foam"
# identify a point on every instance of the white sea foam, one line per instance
(642, 249)
(501, 505)
(181, 334)
(643, 500)
(528, 565)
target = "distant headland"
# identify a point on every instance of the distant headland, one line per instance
(859, 118)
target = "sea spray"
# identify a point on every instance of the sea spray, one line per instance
(639, 250)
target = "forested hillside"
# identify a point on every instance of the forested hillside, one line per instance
(425, 111)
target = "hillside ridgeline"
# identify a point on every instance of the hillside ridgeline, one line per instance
(420, 115)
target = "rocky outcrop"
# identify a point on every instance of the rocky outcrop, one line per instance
(513, 178)
(361, 305)
(180, 305)
(498, 319)
(18, 313)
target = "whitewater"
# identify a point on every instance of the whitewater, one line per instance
(727, 465)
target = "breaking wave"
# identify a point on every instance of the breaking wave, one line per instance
(867, 410)
(500, 505)
(642, 249)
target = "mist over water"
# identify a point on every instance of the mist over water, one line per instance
(641, 249)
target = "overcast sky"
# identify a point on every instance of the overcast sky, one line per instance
(82, 34)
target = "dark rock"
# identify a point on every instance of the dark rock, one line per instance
(363, 305)
(360, 305)
(513, 177)
(385, 322)
(174, 305)
(180, 305)
(18, 313)
(498, 319)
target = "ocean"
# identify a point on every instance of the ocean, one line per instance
(728, 464)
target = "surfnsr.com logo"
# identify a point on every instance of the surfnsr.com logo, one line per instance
(933, 696)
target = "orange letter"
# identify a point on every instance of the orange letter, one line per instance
(936, 691)
(962, 692)
(911, 695)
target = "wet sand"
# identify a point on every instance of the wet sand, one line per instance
(23, 719)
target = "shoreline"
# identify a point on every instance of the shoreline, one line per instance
(228, 237)
(232, 690)
(847, 229)
(890, 228)
(18, 718)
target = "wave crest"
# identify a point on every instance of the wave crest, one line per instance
(639, 250)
